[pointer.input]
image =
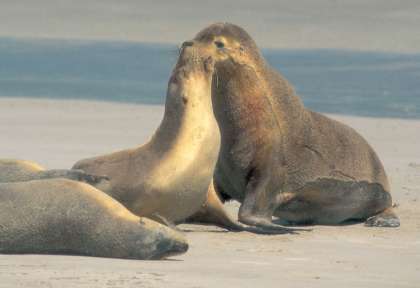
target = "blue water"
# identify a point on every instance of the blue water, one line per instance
(335, 81)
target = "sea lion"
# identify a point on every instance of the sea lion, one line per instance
(169, 176)
(279, 158)
(14, 170)
(61, 216)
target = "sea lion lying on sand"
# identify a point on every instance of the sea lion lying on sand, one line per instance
(60, 216)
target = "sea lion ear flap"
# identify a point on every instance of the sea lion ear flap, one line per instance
(241, 50)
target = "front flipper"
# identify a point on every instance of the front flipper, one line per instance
(72, 174)
(259, 204)
(162, 220)
(214, 213)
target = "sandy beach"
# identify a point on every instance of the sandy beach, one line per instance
(58, 133)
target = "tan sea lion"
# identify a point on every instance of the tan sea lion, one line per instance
(169, 176)
(60, 216)
(211, 212)
(279, 158)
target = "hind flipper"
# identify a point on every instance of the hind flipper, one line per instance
(386, 218)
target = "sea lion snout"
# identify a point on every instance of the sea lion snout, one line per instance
(186, 53)
(180, 247)
(170, 243)
(192, 62)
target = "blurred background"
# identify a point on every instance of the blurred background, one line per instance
(346, 57)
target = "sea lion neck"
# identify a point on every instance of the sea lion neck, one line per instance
(188, 117)
(247, 90)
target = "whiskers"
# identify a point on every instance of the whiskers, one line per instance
(175, 52)
(216, 77)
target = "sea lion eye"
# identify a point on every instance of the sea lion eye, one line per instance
(219, 44)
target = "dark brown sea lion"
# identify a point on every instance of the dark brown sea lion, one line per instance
(279, 158)
(61, 216)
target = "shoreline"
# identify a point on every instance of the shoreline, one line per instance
(111, 102)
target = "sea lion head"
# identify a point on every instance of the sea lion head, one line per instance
(239, 67)
(237, 59)
(191, 78)
(229, 45)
